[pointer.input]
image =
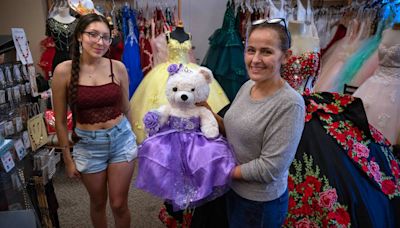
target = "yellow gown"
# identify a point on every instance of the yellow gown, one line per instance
(151, 91)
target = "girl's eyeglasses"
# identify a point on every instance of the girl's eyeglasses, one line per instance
(273, 21)
(96, 37)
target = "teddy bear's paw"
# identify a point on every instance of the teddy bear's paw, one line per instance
(210, 132)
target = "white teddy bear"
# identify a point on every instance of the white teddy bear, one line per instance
(185, 88)
(185, 160)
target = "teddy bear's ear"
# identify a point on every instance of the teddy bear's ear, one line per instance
(208, 75)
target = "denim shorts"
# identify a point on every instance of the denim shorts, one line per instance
(96, 149)
(244, 213)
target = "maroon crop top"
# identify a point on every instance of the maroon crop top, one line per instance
(97, 104)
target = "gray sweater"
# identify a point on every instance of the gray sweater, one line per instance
(264, 135)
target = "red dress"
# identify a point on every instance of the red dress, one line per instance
(46, 60)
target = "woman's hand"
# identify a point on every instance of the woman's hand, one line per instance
(236, 173)
(71, 171)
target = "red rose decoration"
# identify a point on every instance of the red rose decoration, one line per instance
(361, 150)
(388, 187)
(332, 108)
(305, 223)
(343, 217)
(292, 203)
(395, 168)
(328, 198)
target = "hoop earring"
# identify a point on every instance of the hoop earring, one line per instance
(80, 47)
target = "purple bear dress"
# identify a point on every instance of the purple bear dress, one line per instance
(180, 165)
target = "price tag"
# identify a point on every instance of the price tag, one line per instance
(20, 149)
(8, 162)
(25, 138)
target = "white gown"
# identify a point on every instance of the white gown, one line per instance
(381, 93)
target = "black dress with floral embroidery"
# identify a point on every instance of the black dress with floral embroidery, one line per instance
(344, 173)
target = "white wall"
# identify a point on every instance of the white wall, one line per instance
(201, 18)
(29, 15)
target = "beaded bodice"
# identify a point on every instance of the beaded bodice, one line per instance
(184, 124)
(389, 56)
(61, 33)
(178, 52)
(299, 67)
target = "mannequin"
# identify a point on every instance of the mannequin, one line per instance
(302, 66)
(380, 92)
(60, 28)
(63, 15)
(179, 34)
(301, 42)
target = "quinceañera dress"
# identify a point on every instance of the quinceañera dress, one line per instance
(180, 165)
(381, 93)
(151, 92)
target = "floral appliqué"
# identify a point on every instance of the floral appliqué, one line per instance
(300, 67)
(312, 201)
(353, 140)
(337, 104)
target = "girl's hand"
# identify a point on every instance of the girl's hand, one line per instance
(71, 171)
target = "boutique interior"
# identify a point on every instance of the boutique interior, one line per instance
(344, 60)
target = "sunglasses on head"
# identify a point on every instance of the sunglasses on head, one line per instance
(273, 21)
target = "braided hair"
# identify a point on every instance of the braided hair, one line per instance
(82, 24)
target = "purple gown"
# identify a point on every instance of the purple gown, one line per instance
(180, 165)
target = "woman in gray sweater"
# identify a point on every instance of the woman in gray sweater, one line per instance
(264, 125)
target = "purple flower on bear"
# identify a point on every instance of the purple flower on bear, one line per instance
(174, 68)
(152, 122)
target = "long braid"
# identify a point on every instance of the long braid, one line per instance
(73, 87)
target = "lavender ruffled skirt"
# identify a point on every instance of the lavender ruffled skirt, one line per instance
(184, 168)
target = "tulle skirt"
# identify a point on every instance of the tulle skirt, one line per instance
(184, 167)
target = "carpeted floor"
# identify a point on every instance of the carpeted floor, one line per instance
(74, 204)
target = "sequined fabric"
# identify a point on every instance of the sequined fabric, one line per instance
(61, 33)
(300, 67)
(178, 52)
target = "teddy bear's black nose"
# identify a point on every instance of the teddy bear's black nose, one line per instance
(184, 97)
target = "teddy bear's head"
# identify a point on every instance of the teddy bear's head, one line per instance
(186, 87)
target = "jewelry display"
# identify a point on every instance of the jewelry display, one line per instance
(22, 89)
(9, 78)
(17, 94)
(2, 96)
(2, 79)
(23, 47)
(22, 128)
(17, 73)
(10, 95)
(28, 88)
(32, 80)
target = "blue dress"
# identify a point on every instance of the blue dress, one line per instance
(131, 54)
